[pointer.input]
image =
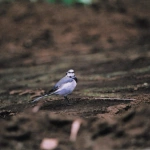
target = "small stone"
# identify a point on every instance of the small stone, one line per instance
(49, 144)
(145, 84)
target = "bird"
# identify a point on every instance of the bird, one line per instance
(63, 87)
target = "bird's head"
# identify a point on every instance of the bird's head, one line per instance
(70, 73)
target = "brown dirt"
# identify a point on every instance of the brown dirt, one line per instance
(107, 44)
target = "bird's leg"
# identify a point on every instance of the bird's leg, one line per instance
(66, 98)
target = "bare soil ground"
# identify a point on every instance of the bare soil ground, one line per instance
(107, 44)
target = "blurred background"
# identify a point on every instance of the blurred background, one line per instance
(39, 32)
(98, 38)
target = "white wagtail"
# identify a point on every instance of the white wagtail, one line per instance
(63, 87)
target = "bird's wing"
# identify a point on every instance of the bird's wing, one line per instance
(60, 83)
(63, 81)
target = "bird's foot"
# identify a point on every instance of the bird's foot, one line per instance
(68, 102)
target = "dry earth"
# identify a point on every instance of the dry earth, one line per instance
(107, 44)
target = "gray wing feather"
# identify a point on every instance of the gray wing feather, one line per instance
(63, 81)
(59, 84)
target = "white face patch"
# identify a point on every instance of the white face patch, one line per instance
(70, 73)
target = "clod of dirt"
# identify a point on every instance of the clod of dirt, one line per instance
(134, 131)
(5, 114)
(118, 108)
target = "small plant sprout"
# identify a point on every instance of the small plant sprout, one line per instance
(74, 129)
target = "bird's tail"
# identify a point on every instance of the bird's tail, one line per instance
(38, 98)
